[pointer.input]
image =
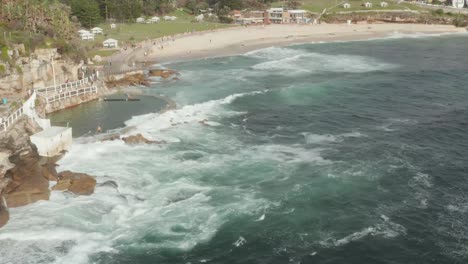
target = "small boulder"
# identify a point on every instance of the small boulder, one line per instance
(77, 183)
(162, 73)
(111, 184)
(139, 139)
(97, 58)
(4, 215)
(49, 172)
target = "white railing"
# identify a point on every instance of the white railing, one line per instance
(66, 86)
(11, 119)
(28, 109)
(70, 93)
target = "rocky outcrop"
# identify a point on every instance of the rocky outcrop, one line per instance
(77, 183)
(163, 73)
(140, 139)
(128, 80)
(15, 143)
(4, 214)
(27, 183)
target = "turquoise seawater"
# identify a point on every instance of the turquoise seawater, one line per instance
(352, 152)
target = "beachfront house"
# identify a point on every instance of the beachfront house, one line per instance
(113, 26)
(383, 4)
(368, 5)
(250, 17)
(153, 20)
(281, 16)
(140, 20)
(199, 18)
(298, 16)
(96, 30)
(346, 5)
(110, 43)
(277, 15)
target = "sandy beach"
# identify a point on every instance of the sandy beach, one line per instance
(239, 40)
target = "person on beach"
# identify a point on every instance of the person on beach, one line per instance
(98, 129)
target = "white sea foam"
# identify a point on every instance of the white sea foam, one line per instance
(240, 242)
(385, 228)
(400, 35)
(311, 138)
(261, 218)
(294, 61)
(187, 114)
(421, 184)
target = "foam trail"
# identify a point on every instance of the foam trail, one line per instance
(240, 242)
(287, 61)
(386, 229)
(261, 218)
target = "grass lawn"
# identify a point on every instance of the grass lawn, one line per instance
(102, 52)
(131, 33)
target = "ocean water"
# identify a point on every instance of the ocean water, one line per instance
(109, 115)
(352, 152)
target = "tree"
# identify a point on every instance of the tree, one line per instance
(87, 12)
(294, 4)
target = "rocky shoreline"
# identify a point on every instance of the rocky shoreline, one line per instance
(25, 177)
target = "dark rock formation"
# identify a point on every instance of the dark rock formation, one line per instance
(165, 74)
(4, 214)
(128, 80)
(139, 139)
(27, 184)
(77, 183)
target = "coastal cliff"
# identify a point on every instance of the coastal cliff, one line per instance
(35, 70)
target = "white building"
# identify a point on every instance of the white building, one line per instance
(52, 141)
(458, 3)
(199, 18)
(83, 31)
(170, 18)
(140, 20)
(368, 5)
(110, 43)
(275, 15)
(87, 36)
(113, 26)
(346, 5)
(96, 30)
(153, 20)
(383, 4)
(298, 16)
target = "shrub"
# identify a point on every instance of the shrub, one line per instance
(5, 56)
(2, 69)
(460, 22)
(439, 11)
(225, 19)
(19, 70)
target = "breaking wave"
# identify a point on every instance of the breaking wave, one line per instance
(294, 61)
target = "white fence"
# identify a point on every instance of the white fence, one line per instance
(65, 94)
(67, 86)
(5, 124)
(28, 108)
